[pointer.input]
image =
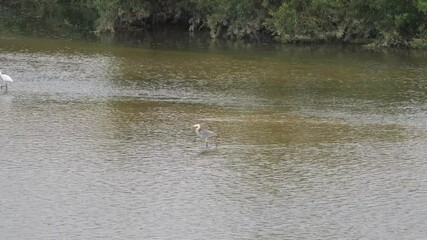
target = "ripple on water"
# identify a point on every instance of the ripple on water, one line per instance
(100, 145)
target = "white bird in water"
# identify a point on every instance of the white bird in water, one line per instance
(5, 78)
(203, 133)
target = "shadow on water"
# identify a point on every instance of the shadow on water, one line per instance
(209, 151)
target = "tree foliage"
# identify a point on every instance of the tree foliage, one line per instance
(47, 17)
(381, 22)
(387, 22)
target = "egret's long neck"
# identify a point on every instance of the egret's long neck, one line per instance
(197, 129)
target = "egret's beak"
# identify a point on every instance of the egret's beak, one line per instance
(194, 125)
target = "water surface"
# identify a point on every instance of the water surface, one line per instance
(315, 142)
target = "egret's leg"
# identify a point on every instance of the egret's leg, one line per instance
(206, 141)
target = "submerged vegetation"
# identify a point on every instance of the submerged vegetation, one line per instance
(378, 22)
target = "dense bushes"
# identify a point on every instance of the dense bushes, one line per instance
(378, 22)
(47, 17)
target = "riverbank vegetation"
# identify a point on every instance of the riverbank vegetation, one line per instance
(376, 23)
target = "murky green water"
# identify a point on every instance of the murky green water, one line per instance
(96, 142)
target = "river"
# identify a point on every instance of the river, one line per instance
(314, 142)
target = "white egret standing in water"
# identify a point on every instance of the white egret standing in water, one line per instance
(203, 133)
(5, 78)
